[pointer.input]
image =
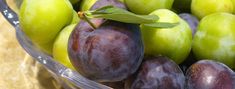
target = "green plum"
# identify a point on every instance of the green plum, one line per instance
(215, 38)
(87, 4)
(201, 8)
(42, 20)
(147, 6)
(60, 52)
(233, 1)
(174, 42)
(76, 18)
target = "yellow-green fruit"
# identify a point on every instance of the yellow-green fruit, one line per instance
(60, 52)
(233, 1)
(87, 4)
(42, 20)
(201, 8)
(215, 38)
(75, 19)
(147, 6)
(174, 42)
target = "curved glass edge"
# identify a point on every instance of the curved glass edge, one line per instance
(8, 13)
(46, 60)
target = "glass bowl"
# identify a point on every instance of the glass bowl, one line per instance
(68, 78)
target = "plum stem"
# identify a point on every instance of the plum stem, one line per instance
(83, 16)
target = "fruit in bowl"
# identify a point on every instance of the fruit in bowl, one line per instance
(214, 38)
(109, 51)
(106, 51)
(174, 43)
(41, 20)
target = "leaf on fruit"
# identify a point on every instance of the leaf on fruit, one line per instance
(161, 25)
(103, 8)
(118, 14)
(122, 15)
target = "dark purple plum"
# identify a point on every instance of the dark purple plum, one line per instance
(110, 52)
(159, 73)
(208, 74)
(191, 20)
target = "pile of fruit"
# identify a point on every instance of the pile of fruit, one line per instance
(138, 44)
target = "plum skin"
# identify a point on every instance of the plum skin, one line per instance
(159, 73)
(174, 42)
(111, 52)
(208, 74)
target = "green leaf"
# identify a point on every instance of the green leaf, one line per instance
(103, 8)
(118, 14)
(161, 25)
(121, 15)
